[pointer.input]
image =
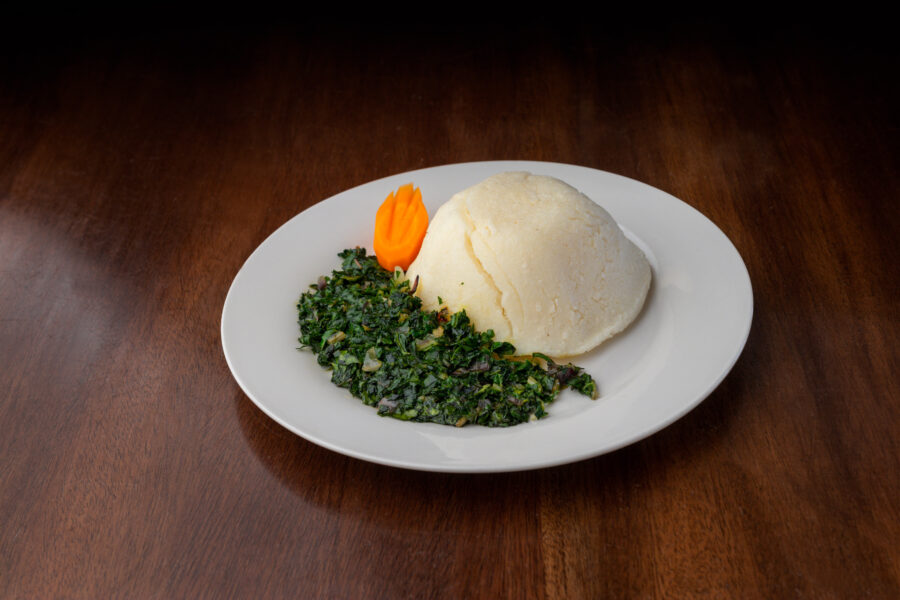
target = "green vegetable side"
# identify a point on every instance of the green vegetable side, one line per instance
(366, 325)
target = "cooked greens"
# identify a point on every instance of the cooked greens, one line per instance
(366, 325)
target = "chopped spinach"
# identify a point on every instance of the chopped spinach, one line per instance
(365, 324)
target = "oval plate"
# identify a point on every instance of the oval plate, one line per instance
(690, 333)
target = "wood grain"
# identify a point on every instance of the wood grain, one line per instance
(140, 166)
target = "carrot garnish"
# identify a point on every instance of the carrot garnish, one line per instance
(400, 225)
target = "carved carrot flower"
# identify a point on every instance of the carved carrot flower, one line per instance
(400, 225)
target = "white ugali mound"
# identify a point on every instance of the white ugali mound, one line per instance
(532, 258)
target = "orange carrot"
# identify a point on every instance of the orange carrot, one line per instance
(400, 225)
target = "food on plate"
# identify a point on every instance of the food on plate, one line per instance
(367, 326)
(400, 225)
(534, 260)
(518, 262)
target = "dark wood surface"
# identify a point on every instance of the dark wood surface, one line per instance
(140, 167)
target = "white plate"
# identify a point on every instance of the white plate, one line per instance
(692, 329)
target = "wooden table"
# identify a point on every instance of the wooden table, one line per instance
(140, 168)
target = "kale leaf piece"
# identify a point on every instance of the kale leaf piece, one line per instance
(365, 324)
